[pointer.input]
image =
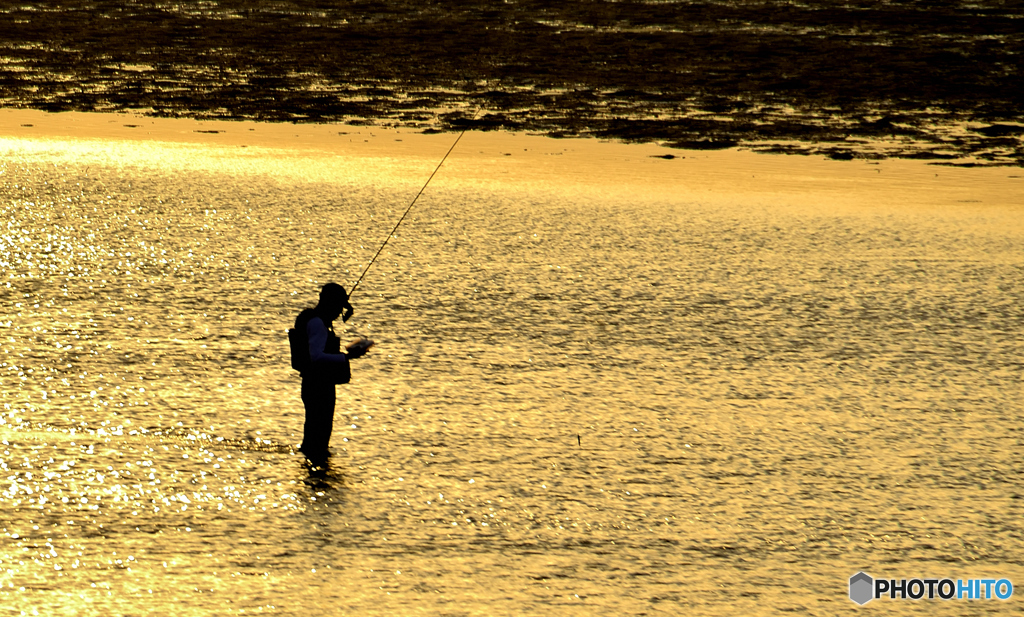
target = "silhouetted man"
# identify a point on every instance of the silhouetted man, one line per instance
(324, 366)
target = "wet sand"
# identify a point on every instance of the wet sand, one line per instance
(522, 159)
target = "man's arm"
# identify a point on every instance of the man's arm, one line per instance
(317, 333)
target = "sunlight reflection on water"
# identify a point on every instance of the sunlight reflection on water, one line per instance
(759, 394)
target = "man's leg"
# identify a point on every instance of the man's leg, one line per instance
(318, 398)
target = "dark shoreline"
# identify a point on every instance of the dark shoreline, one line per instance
(844, 79)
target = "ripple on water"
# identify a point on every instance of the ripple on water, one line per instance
(574, 400)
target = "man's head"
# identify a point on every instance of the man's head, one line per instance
(334, 301)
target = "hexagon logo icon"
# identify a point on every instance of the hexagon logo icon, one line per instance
(861, 588)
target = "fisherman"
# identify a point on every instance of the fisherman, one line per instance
(324, 366)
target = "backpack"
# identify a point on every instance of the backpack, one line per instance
(299, 342)
(301, 362)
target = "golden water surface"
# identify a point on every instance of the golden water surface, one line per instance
(604, 382)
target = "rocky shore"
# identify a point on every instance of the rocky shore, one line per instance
(843, 79)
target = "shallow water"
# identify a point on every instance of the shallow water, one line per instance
(586, 398)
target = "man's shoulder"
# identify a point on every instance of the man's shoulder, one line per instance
(315, 324)
(304, 318)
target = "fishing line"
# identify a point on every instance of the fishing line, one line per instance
(411, 204)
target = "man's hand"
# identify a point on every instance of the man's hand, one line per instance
(358, 348)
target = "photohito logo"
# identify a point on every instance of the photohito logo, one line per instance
(863, 588)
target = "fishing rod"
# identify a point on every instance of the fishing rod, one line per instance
(411, 204)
